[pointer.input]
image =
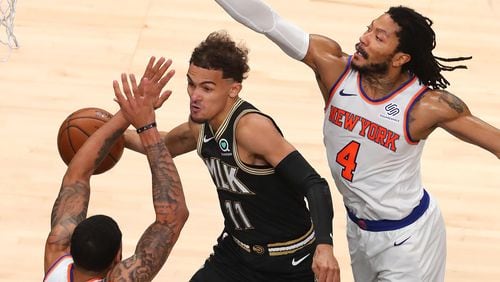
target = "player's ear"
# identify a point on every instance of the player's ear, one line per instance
(235, 89)
(400, 59)
(118, 257)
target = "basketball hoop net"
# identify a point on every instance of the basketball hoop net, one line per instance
(7, 15)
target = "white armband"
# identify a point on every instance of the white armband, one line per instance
(261, 18)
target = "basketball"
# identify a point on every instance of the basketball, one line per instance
(78, 127)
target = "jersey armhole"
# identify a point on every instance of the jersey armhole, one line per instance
(337, 83)
(256, 170)
(54, 265)
(412, 102)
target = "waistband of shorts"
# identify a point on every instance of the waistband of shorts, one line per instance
(279, 248)
(387, 224)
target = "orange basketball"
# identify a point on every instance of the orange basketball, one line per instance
(78, 127)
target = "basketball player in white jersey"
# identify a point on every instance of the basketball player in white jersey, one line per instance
(90, 249)
(381, 104)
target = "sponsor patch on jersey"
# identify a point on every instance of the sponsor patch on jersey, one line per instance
(391, 112)
(224, 146)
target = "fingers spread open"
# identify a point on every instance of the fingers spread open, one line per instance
(164, 96)
(118, 92)
(135, 89)
(148, 72)
(126, 88)
(162, 70)
(166, 78)
(156, 68)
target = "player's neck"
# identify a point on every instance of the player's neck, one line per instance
(379, 86)
(82, 277)
(219, 119)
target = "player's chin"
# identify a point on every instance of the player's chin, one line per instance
(357, 64)
(196, 119)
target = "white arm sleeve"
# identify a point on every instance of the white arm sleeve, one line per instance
(261, 18)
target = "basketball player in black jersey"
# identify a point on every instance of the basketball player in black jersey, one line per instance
(269, 233)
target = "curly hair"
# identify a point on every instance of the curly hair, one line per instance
(219, 52)
(417, 38)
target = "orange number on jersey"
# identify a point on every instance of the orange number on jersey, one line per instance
(347, 159)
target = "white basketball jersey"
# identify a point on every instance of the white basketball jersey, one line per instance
(374, 162)
(60, 271)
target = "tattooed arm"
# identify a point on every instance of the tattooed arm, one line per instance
(137, 104)
(171, 214)
(70, 207)
(439, 108)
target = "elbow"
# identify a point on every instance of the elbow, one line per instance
(183, 214)
(174, 219)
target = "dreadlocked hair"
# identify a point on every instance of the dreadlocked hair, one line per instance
(417, 39)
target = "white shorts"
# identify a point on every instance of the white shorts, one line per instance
(416, 252)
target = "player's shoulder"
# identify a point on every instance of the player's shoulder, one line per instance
(326, 58)
(254, 120)
(443, 100)
(321, 43)
(439, 105)
(325, 49)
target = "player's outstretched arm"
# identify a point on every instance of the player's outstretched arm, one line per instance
(179, 140)
(260, 17)
(322, 54)
(440, 108)
(171, 212)
(70, 207)
(154, 246)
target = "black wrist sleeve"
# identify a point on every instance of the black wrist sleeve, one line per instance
(296, 170)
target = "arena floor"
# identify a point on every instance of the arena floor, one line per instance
(70, 51)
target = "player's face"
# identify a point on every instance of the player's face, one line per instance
(209, 94)
(376, 48)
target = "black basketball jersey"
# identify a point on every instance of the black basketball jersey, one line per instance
(258, 206)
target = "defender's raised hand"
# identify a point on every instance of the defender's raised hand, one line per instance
(138, 101)
(155, 73)
(136, 108)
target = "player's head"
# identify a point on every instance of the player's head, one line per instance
(216, 69)
(376, 51)
(96, 244)
(415, 41)
(219, 52)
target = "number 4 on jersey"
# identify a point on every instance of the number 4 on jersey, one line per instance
(347, 159)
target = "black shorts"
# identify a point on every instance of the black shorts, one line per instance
(230, 263)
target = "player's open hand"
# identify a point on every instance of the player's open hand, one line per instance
(155, 74)
(137, 107)
(325, 265)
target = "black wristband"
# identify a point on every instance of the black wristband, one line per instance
(146, 127)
